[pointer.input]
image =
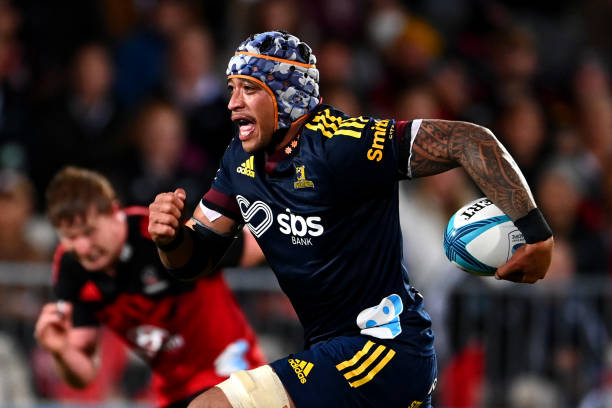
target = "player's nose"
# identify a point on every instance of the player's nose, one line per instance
(81, 245)
(236, 101)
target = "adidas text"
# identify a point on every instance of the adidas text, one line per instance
(301, 369)
(246, 172)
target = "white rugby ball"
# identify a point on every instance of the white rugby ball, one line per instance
(480, 238)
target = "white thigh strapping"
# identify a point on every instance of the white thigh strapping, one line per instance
(257, 388)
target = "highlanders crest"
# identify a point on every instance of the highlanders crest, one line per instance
(301, 181)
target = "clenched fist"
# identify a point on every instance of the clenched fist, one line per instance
(165, 214)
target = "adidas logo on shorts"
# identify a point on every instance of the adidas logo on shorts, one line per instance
(246, 168)
(301, 368)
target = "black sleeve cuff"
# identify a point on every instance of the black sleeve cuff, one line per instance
(175, 243)
(232, 257)
(534, 227)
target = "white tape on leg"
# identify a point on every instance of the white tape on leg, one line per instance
(257, 388)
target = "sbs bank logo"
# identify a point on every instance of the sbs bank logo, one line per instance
(259, 217)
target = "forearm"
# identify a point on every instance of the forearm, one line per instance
(197, 252)
(178, 252)
(441, 145)
(76, 367)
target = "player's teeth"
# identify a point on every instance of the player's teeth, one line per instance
(246, 129)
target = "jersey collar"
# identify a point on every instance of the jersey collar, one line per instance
(286, 150)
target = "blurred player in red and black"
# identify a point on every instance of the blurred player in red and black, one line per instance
(106, 271)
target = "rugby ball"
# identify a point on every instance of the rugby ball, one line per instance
(479, 238)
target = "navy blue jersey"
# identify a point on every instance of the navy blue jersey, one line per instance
(324, 210)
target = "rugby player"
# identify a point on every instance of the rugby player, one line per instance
(106, 271)
(319, 191)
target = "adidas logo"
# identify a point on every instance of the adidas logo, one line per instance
(246, 168)
(301, 368)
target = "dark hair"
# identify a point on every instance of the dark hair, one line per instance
(73, 191)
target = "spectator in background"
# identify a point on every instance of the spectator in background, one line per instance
(276, 14)
(192, 86)
(344, 98)
(593, 99)
(14, 133)
(521, 126)
(607, 216)
(451, 87)
(142, 54)
(417, 101)
(336, 65)
(409, 46)
(514, 62)
(83, 125)
(163, 159)
(562, 198)
(15, 388)
(20, 302)
(17, 206)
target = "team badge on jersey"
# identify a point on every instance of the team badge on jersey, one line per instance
(301, 181)
(149, 340)
(151, 281)
(247, 168)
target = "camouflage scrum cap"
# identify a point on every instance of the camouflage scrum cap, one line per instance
(285, 67)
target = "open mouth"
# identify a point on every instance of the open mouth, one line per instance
(246, 126)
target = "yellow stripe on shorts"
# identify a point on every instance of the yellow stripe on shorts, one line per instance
(356, 357)
(374, 371)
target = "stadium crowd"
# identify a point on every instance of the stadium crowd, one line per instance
(135, 89)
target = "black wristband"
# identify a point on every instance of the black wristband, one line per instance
(534, 227)
(172, 245)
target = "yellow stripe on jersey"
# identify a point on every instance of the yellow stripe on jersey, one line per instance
(320, 127)
(330, 125)
(356, 357)
(374, 371)
(346, 132)
(358, 123)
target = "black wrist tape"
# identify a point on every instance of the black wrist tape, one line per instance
(534, 227)
(172, 245)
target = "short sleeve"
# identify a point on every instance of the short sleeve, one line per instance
(220, 197)
(69, 280)
(366, 160)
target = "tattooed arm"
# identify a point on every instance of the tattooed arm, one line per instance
(438, 145)
(441, 145)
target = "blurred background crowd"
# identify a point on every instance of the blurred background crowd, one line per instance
(136, 89)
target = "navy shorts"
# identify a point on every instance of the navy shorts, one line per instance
(358, 371)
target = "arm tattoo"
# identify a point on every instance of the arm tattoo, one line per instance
(442, 145)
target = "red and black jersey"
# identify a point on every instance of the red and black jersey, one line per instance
(192, 334)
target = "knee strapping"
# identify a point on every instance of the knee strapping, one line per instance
(258, 388)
